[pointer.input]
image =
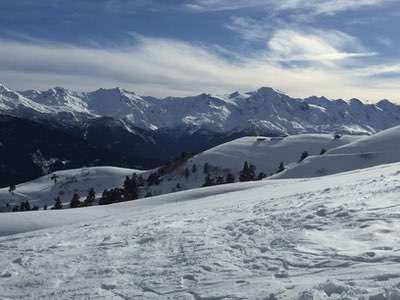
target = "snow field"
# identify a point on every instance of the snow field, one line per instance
(333, 237)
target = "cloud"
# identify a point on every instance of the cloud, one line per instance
(384, 41)
(329, 6)
(322, 47)
(250, 29)
(314, 6)
(161, 67)
(219, 5)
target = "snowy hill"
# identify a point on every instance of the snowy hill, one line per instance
(333, 237)
(265, 153)
(30, 149)
(378, 149)
(265, 111)
(44, 190)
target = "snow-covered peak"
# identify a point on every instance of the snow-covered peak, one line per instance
(6, 92)
(113, 92)
(115, 102)
(386, 103)
(263, 110)
(265, 93)
(14, 103)
(355, 102)
(59, 99)
(234, 95)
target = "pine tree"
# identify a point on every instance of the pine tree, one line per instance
(90, 198)
(178, 186)
(153, 179)
(323, 151)
(187, 173)
(27, 205)
(105, 198)
(12, 188)
(230, 178)
(117, 195)
(261, 176)
(248, 172)
(111, 196)
(281, 167)
(244, 172)
(219, 180)
(130, 188)
(45, 207)
(304, 155)
(206, 168)
(208, 181)
(58, 204)
(75, 202)
(140, 180)
(252, 172)
(54, 177)
(194, 168)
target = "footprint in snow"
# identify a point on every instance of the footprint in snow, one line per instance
(108, 286)
(18, 261)
(188, 281)
(5, 275)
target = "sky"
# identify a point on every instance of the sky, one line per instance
(334, 48)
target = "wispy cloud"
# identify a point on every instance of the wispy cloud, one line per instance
(250, 29)
(316, 46)
(218, 5)
(172, 67)
(329, 6)
(315, 6)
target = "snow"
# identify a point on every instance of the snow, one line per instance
(44, 190)
(332, 237)
(380, 148)
(266, 153)
(10, 100)
(59, 100)
(266, 110)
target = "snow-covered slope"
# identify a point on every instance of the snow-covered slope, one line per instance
(381, 148)
(264, 153)
(265, 111)
(333, 237)
(44, 190)
(13, 102)
(59, 99)
(267, 153)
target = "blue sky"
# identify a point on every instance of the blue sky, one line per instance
(336, 48)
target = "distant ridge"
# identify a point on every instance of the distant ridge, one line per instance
(263, 111)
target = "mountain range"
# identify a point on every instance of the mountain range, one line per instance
(265, 110)
(153, 130)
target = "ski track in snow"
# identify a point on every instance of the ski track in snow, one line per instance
(324, 238)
